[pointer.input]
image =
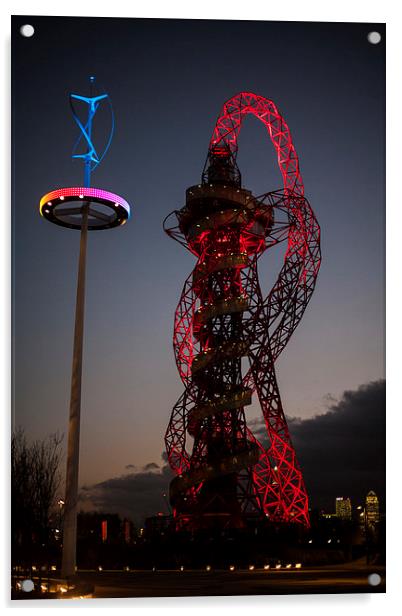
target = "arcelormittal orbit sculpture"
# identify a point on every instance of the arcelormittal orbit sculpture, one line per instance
(223, 473)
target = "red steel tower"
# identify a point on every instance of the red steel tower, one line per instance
(227, 336)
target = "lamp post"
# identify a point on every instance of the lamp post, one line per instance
(85, 209)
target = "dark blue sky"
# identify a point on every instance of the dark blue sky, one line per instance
(168, 80)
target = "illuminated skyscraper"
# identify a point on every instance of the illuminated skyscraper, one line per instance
(372, 509)
(343, 508)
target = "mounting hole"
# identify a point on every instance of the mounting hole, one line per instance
(27, 30)
(374, 38)
(374, 579)
(27, 585)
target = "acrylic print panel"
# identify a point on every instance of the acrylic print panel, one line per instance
(248, 459)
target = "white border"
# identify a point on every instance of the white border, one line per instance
(293, 10)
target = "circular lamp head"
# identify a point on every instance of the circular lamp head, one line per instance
(64, 207)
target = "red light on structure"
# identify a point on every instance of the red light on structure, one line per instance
(104, 530)
(127, 531)
(226, 473)
(228, 127)
(221, 152)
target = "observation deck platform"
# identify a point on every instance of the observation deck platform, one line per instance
(233, 399)
(226, 350)
(230, 464)
(220, 307)
(215, 264)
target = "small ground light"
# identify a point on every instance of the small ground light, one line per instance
(100, 568)
(310, 541)
(278, 566)
(251, 568)
(298, 566)
(208, 567)
(53, 567)
(288, 566)
(231, 568)
(182, 568)
(266, 567)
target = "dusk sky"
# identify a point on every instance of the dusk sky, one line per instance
(168, 80)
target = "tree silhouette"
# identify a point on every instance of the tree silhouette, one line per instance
(35, 480)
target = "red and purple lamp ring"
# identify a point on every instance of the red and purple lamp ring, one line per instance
(105, 209)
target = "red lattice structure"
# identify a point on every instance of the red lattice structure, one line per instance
(227, 336)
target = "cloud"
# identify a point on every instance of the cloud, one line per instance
(151, 466)
(135, 495)
(329, 399)
(342, 452)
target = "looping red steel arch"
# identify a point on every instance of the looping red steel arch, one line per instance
(277, 478)
(229, 122)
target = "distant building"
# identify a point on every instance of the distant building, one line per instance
(156, 525)
(327, 516)
(359, 515)
(343, 508)
(107, 528)
(372, 510)
(127, 530)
